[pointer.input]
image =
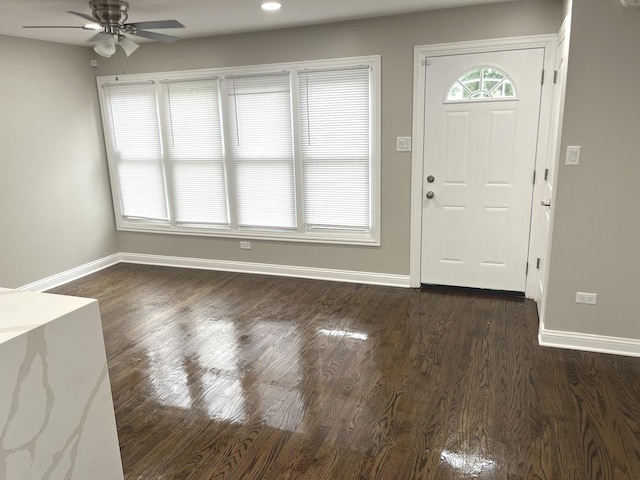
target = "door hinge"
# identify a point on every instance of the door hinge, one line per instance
(542, 79)
(546, 174)
(526, 271)
(537, 263)
(426, 61)
(555, 76)
(534, 177)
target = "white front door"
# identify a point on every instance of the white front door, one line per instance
(481, 127)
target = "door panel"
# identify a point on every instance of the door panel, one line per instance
(499, 167)
(481, 153)
(456, 158)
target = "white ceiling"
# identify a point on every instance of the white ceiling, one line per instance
(204, 17)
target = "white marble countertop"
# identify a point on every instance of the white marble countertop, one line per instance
(56, 410)
(21, 312)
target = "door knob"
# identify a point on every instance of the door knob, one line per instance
(430, 194)
(431, 179)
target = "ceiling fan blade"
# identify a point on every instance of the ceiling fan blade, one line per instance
(51, 26)
(83, 15)
(155, 36)
(157, 24)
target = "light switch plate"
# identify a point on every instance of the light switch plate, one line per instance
(403, 144)
(573, 156)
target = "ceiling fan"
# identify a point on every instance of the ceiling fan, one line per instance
(109, 17)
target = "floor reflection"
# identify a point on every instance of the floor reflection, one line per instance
(165, 365)
(197, 365)
(344, 333)
(469, 465)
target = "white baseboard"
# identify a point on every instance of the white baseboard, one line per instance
(348, 276)
(369, 278)
(73, 274)
(588, 342)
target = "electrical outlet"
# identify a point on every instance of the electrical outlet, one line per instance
(588, 298)
(245, 245)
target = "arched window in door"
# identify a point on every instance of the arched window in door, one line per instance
(482, 83)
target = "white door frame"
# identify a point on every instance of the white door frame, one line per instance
(564, 36)
(421, 53)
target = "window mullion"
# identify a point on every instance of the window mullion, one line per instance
(297, 157)
(164, 139)
(227, 155)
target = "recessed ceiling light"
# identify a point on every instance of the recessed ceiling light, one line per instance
(271, 6)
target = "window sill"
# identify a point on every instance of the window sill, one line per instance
(364, 239)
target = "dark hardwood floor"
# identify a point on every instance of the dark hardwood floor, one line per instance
(233, 376)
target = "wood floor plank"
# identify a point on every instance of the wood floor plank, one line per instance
(233, 376)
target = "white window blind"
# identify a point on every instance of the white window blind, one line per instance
(194, 152)
(131, 124)
(335, 129)
(285, 152)
(260, 127)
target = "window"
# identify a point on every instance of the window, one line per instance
(482, 83)
(262, 150)
(287, 152)
(335, 148)
(193, 151)
(136, 153)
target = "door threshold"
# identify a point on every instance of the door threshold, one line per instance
(472, 290)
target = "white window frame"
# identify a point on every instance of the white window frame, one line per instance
(370, 237)
(506, 77)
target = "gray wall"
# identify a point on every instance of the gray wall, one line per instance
(394, 39)
(55, 203)
(597, 221)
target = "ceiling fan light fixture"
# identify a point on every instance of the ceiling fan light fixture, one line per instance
(128, 45)
(106, 46)
(271, 6)
(108, 19)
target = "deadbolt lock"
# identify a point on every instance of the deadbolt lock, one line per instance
(431, 179)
